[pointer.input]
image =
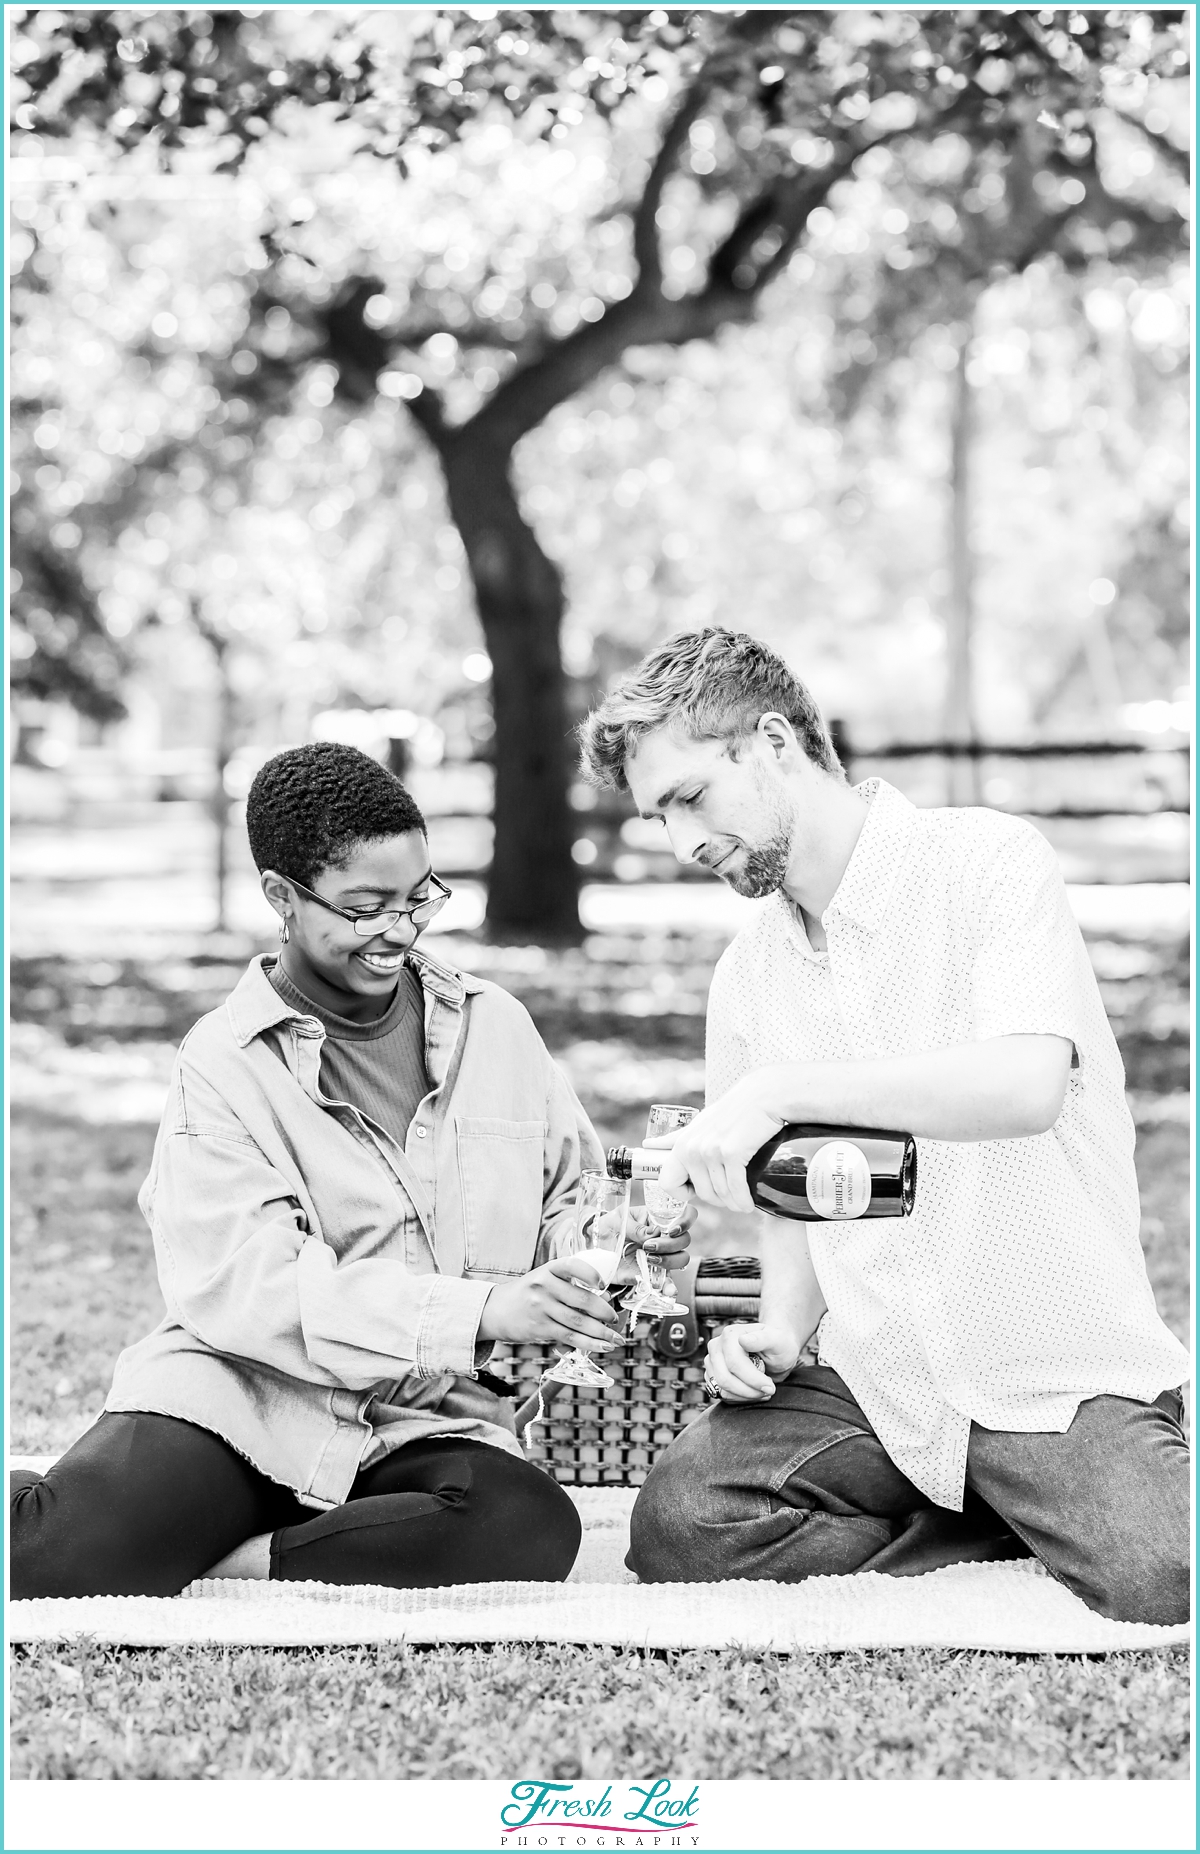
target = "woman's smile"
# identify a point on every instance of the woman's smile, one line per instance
(387, 962)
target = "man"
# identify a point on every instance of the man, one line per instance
(993, 1377)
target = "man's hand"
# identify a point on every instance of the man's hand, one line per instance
(546, 1307)
(728, 1366)
(711, 1151)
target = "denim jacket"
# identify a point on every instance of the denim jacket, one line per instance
(324, 1286)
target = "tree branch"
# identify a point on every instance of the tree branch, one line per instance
(1178, 158)
(646, 317)
(792, 214)
(787, 205)
(213, 636)
(468, 335)
(529, 393)
(718, 69)
(646, 250)
(735, 278)
(428, 410)
(783, 207)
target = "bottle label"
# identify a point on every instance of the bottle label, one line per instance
(839, 1180)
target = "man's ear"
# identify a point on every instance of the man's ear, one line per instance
(778, 733)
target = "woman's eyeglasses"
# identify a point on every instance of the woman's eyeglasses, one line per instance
(365, 925)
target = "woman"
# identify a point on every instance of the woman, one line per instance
(360, 1179)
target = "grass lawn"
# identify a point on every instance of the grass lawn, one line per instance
(82, 1286)
(576, 1712)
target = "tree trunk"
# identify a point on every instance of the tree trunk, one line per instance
(223, 740)
(534, 890)
(220, 796)
(962, 776)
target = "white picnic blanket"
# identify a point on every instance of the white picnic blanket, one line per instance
(1013, 1607)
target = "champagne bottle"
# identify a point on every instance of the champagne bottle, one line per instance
(813, 1173)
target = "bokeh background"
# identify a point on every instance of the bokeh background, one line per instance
(399, 376)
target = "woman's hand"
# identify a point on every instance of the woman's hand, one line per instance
(630, 1228)
(730, 1370)
(545, 1307)
(670, 1247)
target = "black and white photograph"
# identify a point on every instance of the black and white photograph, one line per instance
(599, 924)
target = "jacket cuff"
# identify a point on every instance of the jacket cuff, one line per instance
(447, 1336)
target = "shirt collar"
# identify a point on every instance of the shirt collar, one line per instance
(254, 1005)
(879, 855)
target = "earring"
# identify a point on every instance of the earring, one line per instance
(284, 934)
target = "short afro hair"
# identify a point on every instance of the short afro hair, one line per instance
(310, 807)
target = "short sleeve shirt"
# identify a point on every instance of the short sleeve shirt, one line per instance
(1017, 1288)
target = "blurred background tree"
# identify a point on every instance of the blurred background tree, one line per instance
(318, 316)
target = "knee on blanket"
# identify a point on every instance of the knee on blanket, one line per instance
(22, 1515)
(527, 1527)
(1155, 1587)
(1129, 1560)
(676, 1534)
(49, 1553)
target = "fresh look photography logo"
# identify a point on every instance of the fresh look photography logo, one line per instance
(661, 1814)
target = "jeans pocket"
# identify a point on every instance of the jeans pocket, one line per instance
(815, 1446)
(848, 1470)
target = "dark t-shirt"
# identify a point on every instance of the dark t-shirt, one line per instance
(377, 1067)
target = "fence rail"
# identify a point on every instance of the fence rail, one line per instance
(975, 751)
(987, 749)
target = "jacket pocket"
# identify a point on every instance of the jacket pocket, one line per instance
(500, 1172)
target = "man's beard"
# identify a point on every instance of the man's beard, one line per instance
(764, 868)
(765, 864)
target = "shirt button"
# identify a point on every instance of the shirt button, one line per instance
(421, 1131)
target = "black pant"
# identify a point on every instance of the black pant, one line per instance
(144, 1504)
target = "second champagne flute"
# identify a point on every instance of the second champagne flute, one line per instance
(654, 1295)
(598, 1239)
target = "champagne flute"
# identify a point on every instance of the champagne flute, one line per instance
(598, 1239)
(654, 1295)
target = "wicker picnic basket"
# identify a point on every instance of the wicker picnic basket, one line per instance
(613, 1437)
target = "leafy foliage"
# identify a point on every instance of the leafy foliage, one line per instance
(520, 225)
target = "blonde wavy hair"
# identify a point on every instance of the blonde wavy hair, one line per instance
(708, 685)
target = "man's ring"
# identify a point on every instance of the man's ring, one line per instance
(709, 1386)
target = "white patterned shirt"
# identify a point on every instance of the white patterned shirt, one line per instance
(1017, 1288)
